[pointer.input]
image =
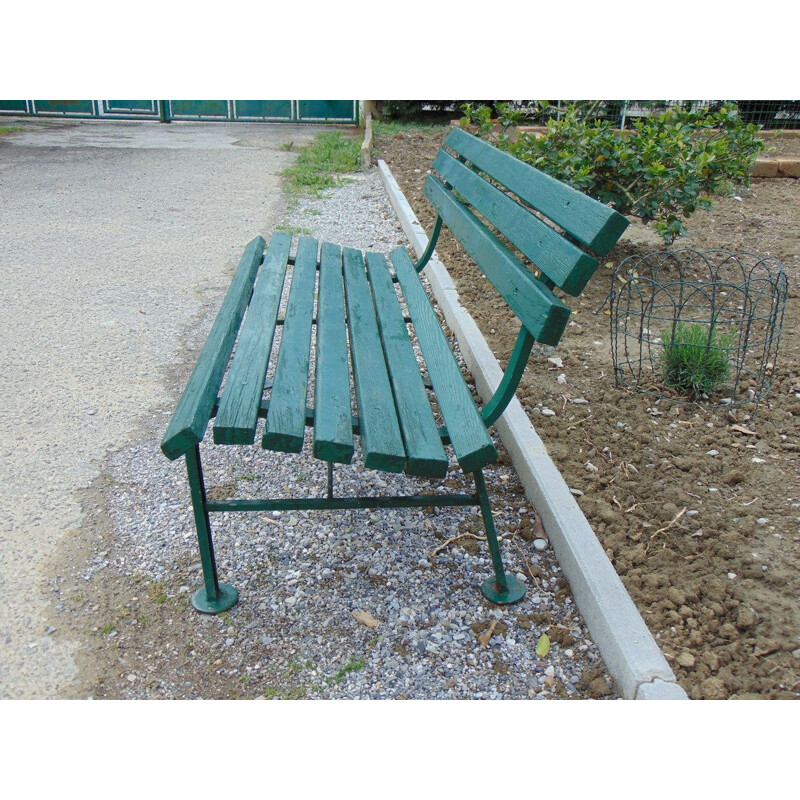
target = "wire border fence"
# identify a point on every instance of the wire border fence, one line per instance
(733, 301)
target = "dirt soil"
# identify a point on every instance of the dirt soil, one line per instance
(700, 520)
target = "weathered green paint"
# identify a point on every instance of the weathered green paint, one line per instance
(188, 424)
(589, 221)
(333, 433)
(471, 443)
(380, 431)
(539, 310)
(426, 456)
(285, 427)
(567, 265)
(238, 409)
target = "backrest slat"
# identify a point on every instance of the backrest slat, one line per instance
(539, 310)
(560, 260)
(589, 221)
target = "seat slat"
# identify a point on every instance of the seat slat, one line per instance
(472, 445)
(286, 420)
(596, 225)
(238, 408)
(333, 422)
(380, 430)
(426, 456)
(560, 260)
(539, 310)
(188, 424)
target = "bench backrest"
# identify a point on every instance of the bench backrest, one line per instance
(484, 196)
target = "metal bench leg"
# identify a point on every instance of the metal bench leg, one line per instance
(214, 596)
(502, 589)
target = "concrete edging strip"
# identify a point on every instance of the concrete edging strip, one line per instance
(627, 646)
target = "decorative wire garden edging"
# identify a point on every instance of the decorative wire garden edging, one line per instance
(719, 312)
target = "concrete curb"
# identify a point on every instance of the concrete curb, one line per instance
(628, 648)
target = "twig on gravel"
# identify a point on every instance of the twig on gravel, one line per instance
(452, 539)
(527, 563)
(485, 637)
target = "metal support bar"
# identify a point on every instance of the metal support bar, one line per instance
(502, 589)
(426, 256)
(494, 409)
(214, 596)
(339, 503)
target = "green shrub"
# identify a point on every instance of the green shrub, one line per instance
(662, 170)
(695, 359)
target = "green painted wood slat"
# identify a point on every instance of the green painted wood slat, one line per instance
(238, 408)
(426, 456)
(472, 445)
(333, 422)
(286, 420)
(188, 424)
(380, 430)
(596, 225)
(560, 260)
(539, 310)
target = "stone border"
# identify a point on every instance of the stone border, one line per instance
(627, 646)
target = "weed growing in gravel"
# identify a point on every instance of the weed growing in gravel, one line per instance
(319, 164)
(695, 359)
(353, 666)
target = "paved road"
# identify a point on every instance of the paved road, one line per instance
(110, 234)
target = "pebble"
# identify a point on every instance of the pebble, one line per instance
(540, 544)
(548, 412)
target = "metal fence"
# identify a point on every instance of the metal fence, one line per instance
(769, 114)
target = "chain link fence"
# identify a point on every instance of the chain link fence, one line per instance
(769, 114)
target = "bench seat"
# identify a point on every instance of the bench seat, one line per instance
(363, 306)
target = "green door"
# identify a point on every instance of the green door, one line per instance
(69, 108)
(327, 111)
(262, 109)
(128, 108)
(199, 109)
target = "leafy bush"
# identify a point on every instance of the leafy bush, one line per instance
(662, 170)
(695, 359)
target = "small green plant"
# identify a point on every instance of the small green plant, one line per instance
(695, 360)
(319, 164)
(353, 666)
(293, 229)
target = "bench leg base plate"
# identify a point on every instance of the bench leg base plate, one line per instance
(515, 593)
(228, 597)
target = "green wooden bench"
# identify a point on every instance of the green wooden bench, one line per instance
(344, 312)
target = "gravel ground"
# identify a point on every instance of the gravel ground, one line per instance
(357, 604)
(113, 235)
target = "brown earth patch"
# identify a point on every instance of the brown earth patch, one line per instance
(707, 545)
